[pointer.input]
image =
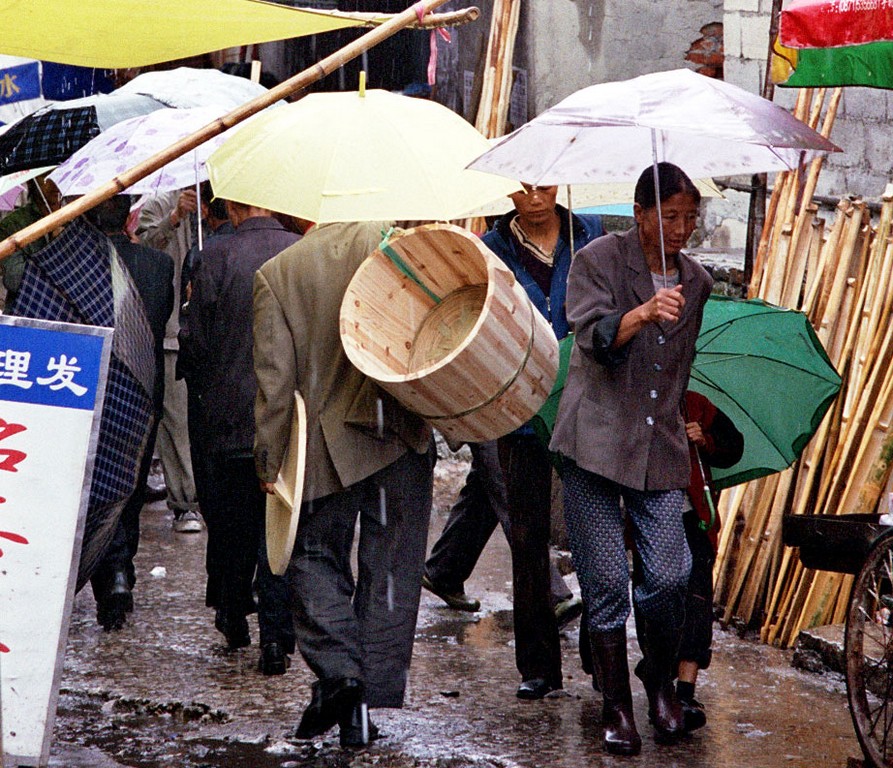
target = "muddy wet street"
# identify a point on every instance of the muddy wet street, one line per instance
(164, 691)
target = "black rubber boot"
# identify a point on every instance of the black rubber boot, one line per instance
(612, 670)
(657, 670)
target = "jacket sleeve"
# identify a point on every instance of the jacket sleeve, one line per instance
(592, 309)
(154, 227)
(197, 323)
(276, 370)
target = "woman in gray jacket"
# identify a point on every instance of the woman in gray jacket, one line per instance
(635, 302)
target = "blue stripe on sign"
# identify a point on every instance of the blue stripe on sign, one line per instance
(46, 367)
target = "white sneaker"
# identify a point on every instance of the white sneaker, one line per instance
(187, 521)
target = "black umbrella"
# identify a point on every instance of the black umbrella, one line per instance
(55, 132)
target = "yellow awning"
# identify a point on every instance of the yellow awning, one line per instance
(134, 33)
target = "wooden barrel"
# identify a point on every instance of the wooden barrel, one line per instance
(437, 319)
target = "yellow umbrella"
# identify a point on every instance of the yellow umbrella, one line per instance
(363, 156)
(133, 33)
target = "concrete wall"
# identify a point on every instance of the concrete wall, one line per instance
(582, 42)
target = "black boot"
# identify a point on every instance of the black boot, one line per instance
(657, 670)
(356, 728)
(612, 670)
(330, 700)
(115, 601)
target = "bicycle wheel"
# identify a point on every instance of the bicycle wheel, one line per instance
(868, 646)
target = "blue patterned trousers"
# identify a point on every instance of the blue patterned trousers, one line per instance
(596, 525)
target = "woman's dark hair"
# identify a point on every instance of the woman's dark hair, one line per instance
(672, 181)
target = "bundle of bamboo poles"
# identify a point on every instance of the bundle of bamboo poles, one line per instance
(493, 109)
(837, 273)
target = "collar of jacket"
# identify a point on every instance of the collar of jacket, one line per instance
(259, 222)
(503, 228)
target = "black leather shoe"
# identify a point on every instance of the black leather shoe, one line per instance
(458, 601)
(273, 659)
(535, 688)
(693, 714)
(329, 700)
(234, 628)
(116, 602)
(351, 727)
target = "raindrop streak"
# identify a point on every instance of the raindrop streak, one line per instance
(383, 506)
(379, 416)
(390, 591)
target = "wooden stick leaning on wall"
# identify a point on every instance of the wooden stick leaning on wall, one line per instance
(501, 113)
(287, 88)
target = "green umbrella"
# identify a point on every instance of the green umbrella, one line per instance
(765, 368)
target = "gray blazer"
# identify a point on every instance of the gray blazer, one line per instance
(619, 415)
(297, 345)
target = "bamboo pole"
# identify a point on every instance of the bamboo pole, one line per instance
(777, 266)
(756, 279)
(723, 569)
(456, 18)
(813, 302)
(852, 230)
(768, 544)
(813, 260)
(801, 241)
(508, 55)
(287, 88)
(872, 393)
(750, 541)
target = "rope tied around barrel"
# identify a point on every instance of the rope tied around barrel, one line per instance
(404, 268)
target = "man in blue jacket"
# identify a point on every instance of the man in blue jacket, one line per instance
(534, 240)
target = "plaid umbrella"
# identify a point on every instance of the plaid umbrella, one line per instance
(55, 132)
(78, 278)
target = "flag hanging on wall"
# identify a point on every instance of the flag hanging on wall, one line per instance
(869, 65)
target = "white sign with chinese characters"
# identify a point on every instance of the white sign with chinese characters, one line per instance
(52, 385)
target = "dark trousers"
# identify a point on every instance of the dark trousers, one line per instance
(482, 503)
(237, 509)
(124, 544)
(528, 477)
(274, 616)
(697, 629)
(364, 628)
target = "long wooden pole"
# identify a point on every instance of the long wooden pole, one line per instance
(287, 88)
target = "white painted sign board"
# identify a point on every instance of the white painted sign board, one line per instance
(52, 385)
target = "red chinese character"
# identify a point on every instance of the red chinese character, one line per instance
(14, 537)
(3, 648)
(8, 456)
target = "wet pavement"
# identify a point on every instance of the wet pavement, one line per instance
(164, 691)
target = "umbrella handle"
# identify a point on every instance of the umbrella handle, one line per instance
(708, 497)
